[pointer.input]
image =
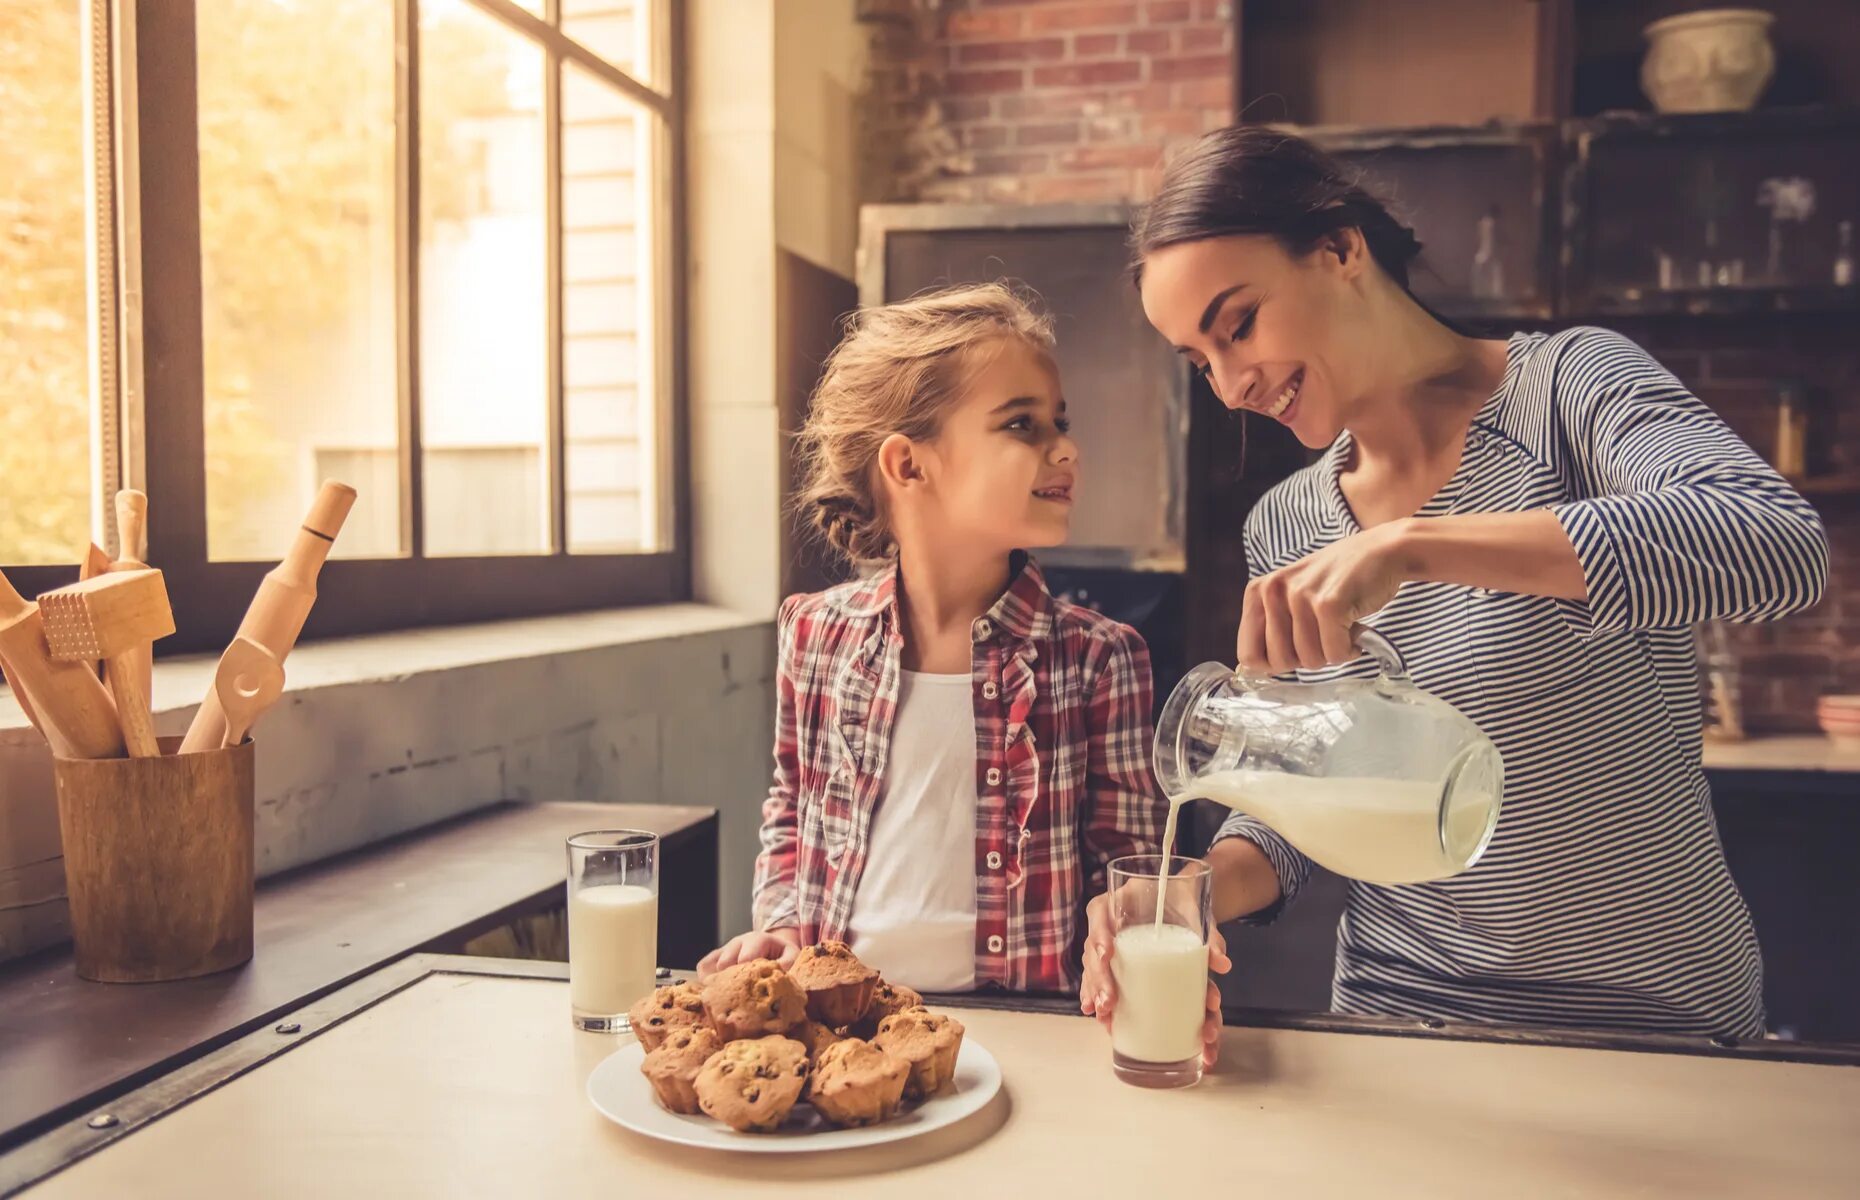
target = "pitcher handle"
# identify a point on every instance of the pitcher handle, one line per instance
(1379, 647)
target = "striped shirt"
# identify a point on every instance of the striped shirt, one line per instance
(1603, 899)
(1062, 767)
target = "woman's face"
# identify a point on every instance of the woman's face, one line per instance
(1273, 333)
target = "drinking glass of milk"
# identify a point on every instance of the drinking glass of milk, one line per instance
(1371, 777)
(613, 925)
(1161, 914)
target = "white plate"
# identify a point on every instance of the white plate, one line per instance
(622, 1095)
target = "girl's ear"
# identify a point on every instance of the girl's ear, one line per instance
(897, 462)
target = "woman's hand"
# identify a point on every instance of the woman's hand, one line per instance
(1300, 616)
(1098, 988)
(782, 945)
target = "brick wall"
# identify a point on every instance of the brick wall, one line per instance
(1039, 101)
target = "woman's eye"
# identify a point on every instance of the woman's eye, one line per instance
(1245, 324)
(1063, 424)
(1020, 424)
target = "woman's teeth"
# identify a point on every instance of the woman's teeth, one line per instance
(1287, 396)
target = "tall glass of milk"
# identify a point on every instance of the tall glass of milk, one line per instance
(1159, 958)
(613, 925)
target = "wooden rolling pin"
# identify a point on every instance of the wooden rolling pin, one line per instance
(132, 542)
(282, 604)
(112, 619)
(74, 712)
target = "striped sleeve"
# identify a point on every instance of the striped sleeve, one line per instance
(1288, 864)
(1124, 810)
(776, 902)
(1676, 519)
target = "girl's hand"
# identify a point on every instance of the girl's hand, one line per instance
(782, 945)
(1300, 616)
(1098, 987)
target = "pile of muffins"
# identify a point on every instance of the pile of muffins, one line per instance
(753, 1041)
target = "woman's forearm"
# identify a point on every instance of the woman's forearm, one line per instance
(1244, 881)
(1525, 552)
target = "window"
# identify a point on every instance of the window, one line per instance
(49, 440)
(424, 247)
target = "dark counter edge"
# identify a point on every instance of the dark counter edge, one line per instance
(208, 1069)
(60, 957)
(1845, 1054)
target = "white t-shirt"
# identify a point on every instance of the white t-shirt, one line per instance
(913, 914)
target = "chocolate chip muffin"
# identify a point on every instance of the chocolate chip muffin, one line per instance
(815, 1036)
(857, 1083)
(887, 998)
(752, 1085)
(752, 1000)
(839, 987)
(929, 1042)
(680, 1006)
(673, 1067)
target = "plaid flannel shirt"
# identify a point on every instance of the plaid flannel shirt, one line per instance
(1062, 768)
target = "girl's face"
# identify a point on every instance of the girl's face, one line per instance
(1273, 333)
(1001, 472)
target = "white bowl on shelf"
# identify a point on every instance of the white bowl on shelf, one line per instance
(1713, 60)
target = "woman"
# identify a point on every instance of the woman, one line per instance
(1536, 523)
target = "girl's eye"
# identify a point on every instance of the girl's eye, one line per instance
(1020, 424)
(1245, 324)
(1063, 424)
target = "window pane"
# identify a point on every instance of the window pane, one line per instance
(297, 204)
(630, 34)
(613, 359)
(483, 285)
(45, 403)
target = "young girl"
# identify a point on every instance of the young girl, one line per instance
(958, 755)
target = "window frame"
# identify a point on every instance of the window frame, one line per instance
(159, 358)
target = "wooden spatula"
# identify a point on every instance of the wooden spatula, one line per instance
(112, 618)
(19, 695)
(132, 542)
(74, 712)
(249, 681)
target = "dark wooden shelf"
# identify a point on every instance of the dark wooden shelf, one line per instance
(1844, 484)
(1382, 135)
(1724, 301)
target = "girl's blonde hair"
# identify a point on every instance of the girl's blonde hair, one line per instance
(897, 370)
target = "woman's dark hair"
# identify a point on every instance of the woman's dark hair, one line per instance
(1252, 179)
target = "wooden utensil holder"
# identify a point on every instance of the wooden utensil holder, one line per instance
(158, 862)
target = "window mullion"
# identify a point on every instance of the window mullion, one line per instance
(163, 121)
(553, 338)
(407, 274)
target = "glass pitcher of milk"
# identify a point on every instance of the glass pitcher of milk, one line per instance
(1374, 779)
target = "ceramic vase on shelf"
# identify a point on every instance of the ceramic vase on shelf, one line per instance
(1714, 60)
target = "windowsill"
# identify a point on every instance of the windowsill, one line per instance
(180, 683)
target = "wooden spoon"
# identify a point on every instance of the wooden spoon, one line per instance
(249, 680)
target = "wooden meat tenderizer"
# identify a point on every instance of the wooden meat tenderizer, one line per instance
(74, 712)
(282, 604)
(95, 562)
(112, 618)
